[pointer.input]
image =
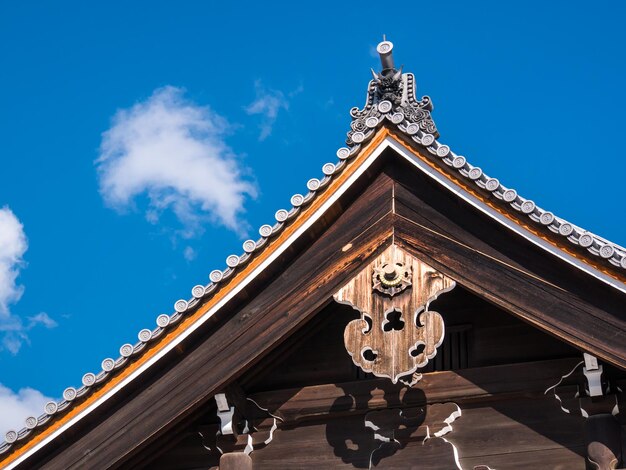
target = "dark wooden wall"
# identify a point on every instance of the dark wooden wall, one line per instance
(506, 420)
(515, 434)
(491, 337)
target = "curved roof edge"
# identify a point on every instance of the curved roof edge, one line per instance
(412, 119)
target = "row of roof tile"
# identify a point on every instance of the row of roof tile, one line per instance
(374, 115)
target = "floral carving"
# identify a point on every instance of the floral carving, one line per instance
(392, 278)
(397, 333)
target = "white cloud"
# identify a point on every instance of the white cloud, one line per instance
(41, 318)
(173, 151)
(16, 407)
(268, 103)
(189, 253)
(13, 245)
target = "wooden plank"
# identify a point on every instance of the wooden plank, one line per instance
(347, 443)
(235, 461)
(504, 434)
(303, 288)
(487, 428)
(542, 304)
(189, 450)
(473, 385)
(457, 220)
(545, 459)
(446, 215)
(498, 431)
(308, 355)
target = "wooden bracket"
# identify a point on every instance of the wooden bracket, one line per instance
(593, 373)
(237, 433)
(225, 413)
(397, 333)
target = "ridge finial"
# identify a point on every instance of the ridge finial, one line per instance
(385, 51)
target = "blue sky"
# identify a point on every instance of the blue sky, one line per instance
(143, 142)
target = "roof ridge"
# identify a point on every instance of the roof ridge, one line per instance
(391, 96)
(391, 99)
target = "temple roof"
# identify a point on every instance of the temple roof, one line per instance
(391, 117)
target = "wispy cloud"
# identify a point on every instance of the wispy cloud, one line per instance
(16, 407)
(41, 318)
(373, 52)
(173, 150)
(13, 245)
(268, 103)
(189, 253)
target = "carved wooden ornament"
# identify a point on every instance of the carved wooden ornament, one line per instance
(397, 333)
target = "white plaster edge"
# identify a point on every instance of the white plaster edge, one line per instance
(475, 202)
(236, 289)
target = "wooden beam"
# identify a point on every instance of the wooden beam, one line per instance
(542, 304)
(508, 270)
(468, 386)
(305, 285)
(235, 461)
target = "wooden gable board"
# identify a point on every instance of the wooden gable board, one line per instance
(361, 215)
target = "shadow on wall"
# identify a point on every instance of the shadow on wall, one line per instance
(373, 439)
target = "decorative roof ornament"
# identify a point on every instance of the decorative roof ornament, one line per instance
(391, 95)
(397, 332)
(391, 278)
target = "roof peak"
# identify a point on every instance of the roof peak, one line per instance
(391, 95)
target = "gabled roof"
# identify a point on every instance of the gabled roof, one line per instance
(392, 118)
